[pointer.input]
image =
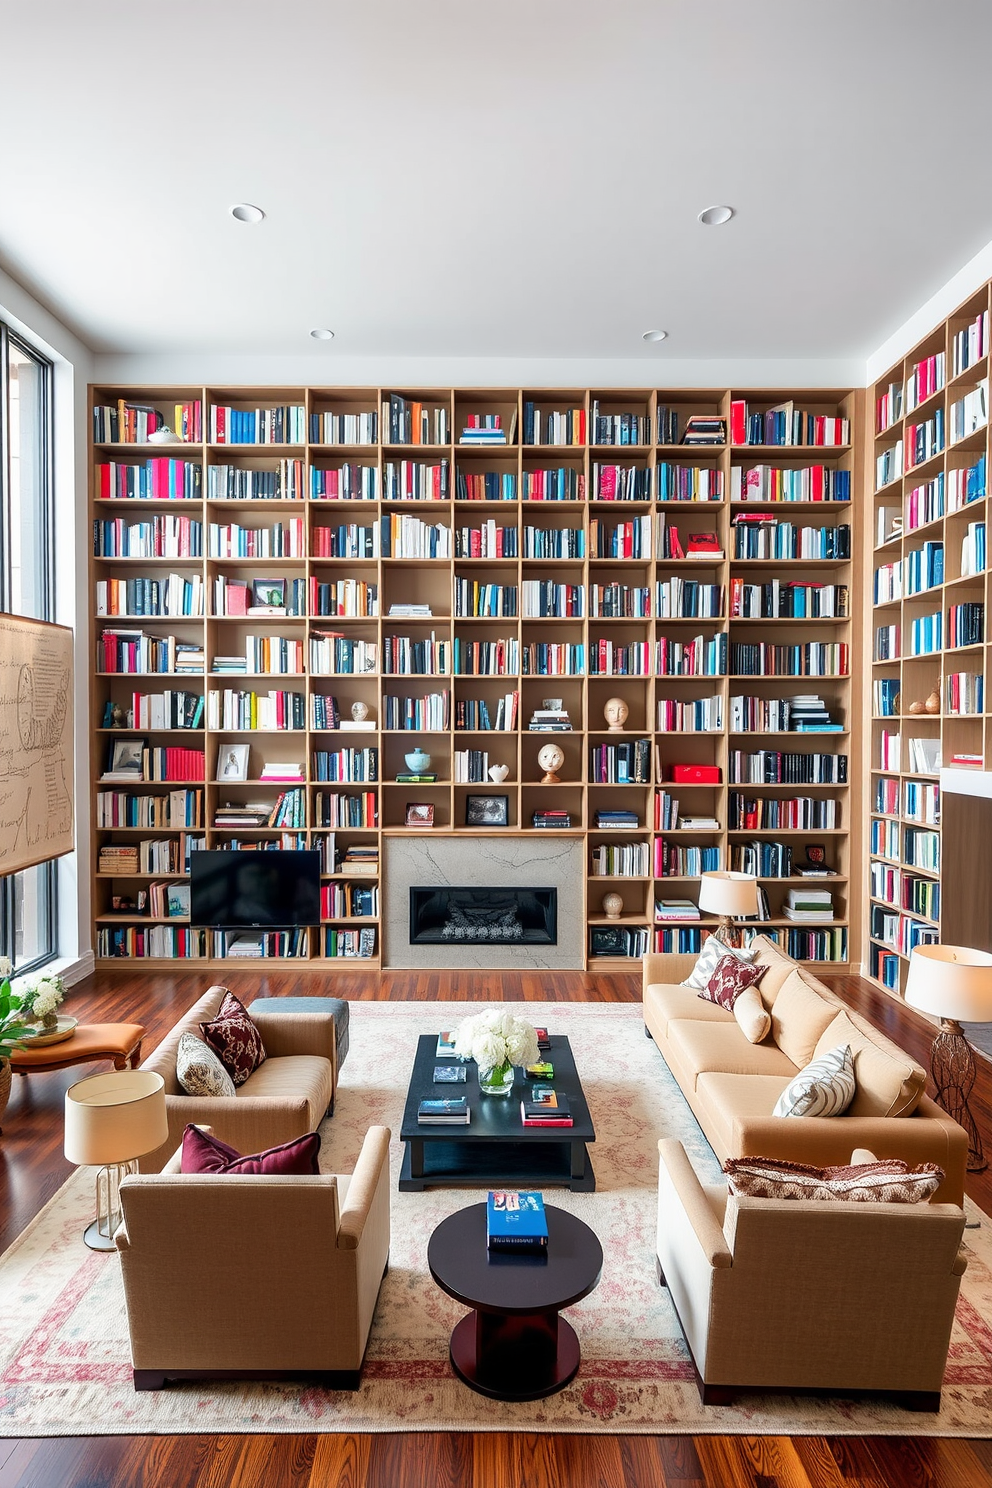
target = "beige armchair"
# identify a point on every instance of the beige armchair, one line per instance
(254, 1276)
(286, 1097)
(803, 1295)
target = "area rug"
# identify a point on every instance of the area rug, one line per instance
(64, 1362)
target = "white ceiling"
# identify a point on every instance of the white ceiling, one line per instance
(518, 178)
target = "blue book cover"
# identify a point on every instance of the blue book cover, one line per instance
(516, 1219)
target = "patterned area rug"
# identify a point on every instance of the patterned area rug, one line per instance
(64, 1362)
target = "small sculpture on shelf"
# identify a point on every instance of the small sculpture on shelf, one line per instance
(613, 905)
(359, 712)
(498, 773)
(118, 717)
(418, 761)
(932, 704)
(551, 757)
(615, 711)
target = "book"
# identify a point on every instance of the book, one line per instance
(549, 1109)
(543, 1070)
(445, 1046)
(450, 1074)
(543, 1038)
(517, 1222)
(452, 1111)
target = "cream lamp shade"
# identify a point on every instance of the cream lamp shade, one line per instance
(115, 1118)
(951, 982)
(728, 894)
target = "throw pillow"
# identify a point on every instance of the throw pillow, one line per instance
(729, 980)
(890, 1182)
(235, 1039)
(824, 1088)
(203, 1153)
(198, 1069)
(753, 1018)
(713, 951)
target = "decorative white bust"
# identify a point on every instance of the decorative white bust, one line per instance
(359, 712)
(551, 757)
(615, 712)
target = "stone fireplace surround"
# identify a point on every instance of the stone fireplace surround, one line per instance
(454, 860)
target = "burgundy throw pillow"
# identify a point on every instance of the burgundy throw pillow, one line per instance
(235, 1039)
(729, 980)
(203, 1153)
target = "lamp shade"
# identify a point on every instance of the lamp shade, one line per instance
(115, 1118)
(728, 893)
(951, 982)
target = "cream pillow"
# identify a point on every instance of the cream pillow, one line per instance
(889, 1082)
(752, 1016)
(799, 1019)
(198, 1069)
(823, 1088)
(713, 951)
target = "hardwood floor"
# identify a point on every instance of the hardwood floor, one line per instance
(32, 1168)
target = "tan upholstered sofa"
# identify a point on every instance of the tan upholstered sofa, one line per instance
(252, 1275)
(286, 1097)
(801, 1294)
(733, 1085)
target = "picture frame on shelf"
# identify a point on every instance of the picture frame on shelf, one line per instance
(420, 814)
(232, 762)
(487, 811)
(127, 757)
(268, 594)
(608, 940)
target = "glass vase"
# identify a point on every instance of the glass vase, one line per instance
(498, 1080)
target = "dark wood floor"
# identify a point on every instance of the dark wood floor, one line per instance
(32, 1168)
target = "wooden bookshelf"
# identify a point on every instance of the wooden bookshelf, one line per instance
(554, 503)
(927, 463)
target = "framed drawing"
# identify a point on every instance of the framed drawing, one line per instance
(268, 594)
(487, 811)
(126, 757)
(36, 764)
(232, 762)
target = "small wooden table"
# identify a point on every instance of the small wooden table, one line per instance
(119, 1042)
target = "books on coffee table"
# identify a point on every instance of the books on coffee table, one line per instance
(517, 1222)
(450, 1074)
(454, 1111)
(546, 1107)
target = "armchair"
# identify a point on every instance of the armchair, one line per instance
(791, 1294)
(212, 1288)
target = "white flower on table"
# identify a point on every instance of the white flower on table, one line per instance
(494, 1037)
(46, 996)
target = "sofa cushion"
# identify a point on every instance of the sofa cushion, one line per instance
(887, 1081)
(713, 951)
(780, 967)
(799, 1019)
(293, 1077)
(824, 1088)
(722, 1098)
(198, 1069)
(751, 1016)
(721, 1046)
(663, 1003)
(235, 1039)
(203, 1153)
(729, 980)
(889, 1182)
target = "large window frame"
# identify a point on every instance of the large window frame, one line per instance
(40, 883)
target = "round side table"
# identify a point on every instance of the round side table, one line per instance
(513, 1345)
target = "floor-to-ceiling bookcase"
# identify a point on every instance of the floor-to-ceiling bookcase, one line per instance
(927, 588)
(593, 555)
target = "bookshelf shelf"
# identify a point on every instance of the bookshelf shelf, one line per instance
(609, 655)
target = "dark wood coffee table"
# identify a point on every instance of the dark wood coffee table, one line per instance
(495, 1150)
(514, 1345)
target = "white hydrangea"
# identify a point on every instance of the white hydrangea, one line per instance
(46, 997)
(494, 1036)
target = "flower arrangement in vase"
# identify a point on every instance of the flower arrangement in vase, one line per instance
(14, 1027)
(497, 1041)
(44, 997)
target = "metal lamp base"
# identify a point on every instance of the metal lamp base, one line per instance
(96, 1239)
(100, 1234)
(952, 1065)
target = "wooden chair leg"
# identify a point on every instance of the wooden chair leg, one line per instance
(148, 1379)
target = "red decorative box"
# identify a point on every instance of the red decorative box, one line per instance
(696, 774)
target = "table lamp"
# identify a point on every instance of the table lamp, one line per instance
(728, 894)
(955, 984)
(111, 1121)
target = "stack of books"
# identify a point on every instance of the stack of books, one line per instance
(486, 428)
(453, 1111)
(551, 819)
(115, 858)
(360, 861)
(809, 906)
(614, 820)
(411, 611)
(251, 814)
(550, 721)
(274, 771)
(676, 909)
(809, 714)
(702, 428)
(516, 1222)
(546, 1107)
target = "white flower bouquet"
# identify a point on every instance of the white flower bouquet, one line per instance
(43, 997)
(497, 1041)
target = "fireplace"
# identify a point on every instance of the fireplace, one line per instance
(440, 915)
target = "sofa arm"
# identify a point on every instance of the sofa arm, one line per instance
(249, 1122)
(668, 968)
(368, 1192)
(679, 1185)
(298, 1033)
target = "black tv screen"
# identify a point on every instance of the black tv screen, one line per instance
(263, 890)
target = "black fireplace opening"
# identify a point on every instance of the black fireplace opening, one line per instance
(490, 916)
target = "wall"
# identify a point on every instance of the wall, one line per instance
(72, 363)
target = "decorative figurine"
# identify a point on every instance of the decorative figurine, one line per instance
(359, 712)
(551, 757)
(498, 773)
(615, 712)
(418, 761)
(613, 906)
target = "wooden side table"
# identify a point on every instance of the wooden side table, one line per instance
(514, 1345)
(119, 1042)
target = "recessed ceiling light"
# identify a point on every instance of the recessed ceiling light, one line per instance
(716, 216)
(245, 212)
(321, 333)
(654, 336)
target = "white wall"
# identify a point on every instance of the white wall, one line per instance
(976, 272)
(72, 371)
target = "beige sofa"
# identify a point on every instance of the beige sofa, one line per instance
(802, 1295)
(286, 1097)
(251, 1275)
(733, 1085)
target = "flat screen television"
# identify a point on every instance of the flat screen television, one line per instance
(256, 890)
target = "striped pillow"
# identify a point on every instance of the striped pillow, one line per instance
(824, 1088)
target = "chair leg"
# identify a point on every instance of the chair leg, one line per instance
(648, 1033)
(918, 1400)
(148, 1379)
(715, 1394)
(661, 1274)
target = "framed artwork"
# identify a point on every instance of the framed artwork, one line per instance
(232, 762)
(607, 941)
(420, 814)
(269, 592)
(126, 757)
(487, 811)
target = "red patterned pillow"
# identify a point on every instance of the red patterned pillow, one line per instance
(729, 980)
(203, 1153)
(235, 1039)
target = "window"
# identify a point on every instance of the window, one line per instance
(27, 900)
